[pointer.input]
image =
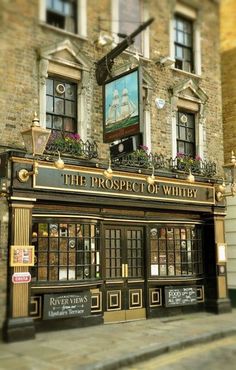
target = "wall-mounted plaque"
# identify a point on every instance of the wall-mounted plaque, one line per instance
(22, 255)
(180, 296)
(61, 306)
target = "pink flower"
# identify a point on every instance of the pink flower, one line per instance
(198, 158)
(143, 147)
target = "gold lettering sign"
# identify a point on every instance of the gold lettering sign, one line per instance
(121, 185)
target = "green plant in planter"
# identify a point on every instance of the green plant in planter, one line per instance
(186, 163)
(140, 155)
(66, 143)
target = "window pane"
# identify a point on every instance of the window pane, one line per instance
(49, 121)
(180, 37)
(180, 24)
(130, 19)
(57, 123)
(58, 5)
(49, 104)
(179, 52)
(70, 92)
(59, 106)
(70, 108)
(49, 86)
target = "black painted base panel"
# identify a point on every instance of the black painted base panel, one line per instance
(232, 296)
(218, 306)
(17, 329)
(71, 323)
(174, 311)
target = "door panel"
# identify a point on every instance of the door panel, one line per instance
(124, 270)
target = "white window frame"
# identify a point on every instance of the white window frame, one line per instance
(144, 34)
(81, 17)
(195, 105)
(75, 72)
(191, 14)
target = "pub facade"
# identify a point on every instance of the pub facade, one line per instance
(110, 202)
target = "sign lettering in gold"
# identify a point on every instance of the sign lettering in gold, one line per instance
(94, 182)
(129, 186)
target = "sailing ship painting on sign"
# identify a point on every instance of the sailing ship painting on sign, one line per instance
(121, 111)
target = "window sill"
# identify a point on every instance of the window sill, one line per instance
(61, 31)
(186, 73)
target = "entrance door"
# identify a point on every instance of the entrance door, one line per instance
(124, 273)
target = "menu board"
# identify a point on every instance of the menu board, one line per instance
(180, 296)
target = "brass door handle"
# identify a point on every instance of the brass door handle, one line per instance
(124, 270)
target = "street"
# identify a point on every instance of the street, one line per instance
(217, 355)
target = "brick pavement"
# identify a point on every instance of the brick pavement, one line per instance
(114, 345)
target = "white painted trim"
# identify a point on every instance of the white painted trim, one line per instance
(172, 38)
(186, 11)
(147, 130)
(197, 49)
(42, 10)
(82, 17)
(115, 20)
(146, 35)
(173, 124)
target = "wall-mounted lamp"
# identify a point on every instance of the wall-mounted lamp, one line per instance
(151, 179)
(166, 61)
(35, 140)
(230, 172)
(104, 39)
(190, 177)
(59, 163)
(108, 173)
(23, 174)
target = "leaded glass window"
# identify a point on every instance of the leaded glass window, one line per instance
(61, 106)
(176, 250)
(66, 251)
(185, 133)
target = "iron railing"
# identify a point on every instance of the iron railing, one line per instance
(143, 160)
(84, 149)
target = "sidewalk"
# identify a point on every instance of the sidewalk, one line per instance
(114, 345)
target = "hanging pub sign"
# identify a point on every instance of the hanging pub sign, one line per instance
(121, 110)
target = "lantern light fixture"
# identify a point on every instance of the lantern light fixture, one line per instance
(35, 140)
(230, 174)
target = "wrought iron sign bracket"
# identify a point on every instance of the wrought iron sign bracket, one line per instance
(104, 65)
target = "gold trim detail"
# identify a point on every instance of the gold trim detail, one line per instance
(200, 290)
(20, 292)
(135, 299)
(98, 306)
(111, 306)
(155, 297)
(115, 219)
(37, 301)
(110, 282)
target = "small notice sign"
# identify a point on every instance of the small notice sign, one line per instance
(61, 306)
(180, 296)
(21, 277)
